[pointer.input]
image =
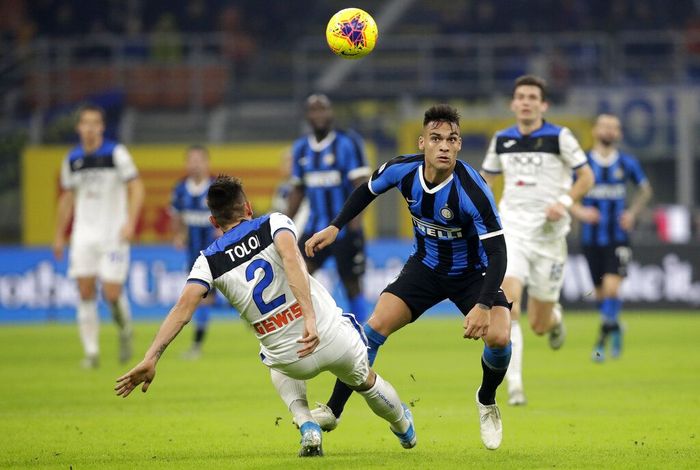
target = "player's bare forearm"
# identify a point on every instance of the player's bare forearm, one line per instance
(296, 195)
(179, 231)
(585, 179)
(136, 195)
(64, 211)
(641, 199)
(179, 316)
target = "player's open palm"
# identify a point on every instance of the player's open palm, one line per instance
(144, 372)
(320, 240)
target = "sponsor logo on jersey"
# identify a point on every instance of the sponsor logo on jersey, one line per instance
(277, 321)
(195, 218)
(322, 179)
(607, 191)
(437, 231)
(244, 248)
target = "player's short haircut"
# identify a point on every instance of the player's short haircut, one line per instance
(197, 148)
(226, 199)
(319, 98)
(531, 80)
(90, 107)
(441, 113)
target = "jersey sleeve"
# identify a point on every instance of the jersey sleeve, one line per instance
(68, 180)
(491, 163)
(297, 177)
(279, 221)
(635, 172)
(354, 158)
(201, 273)
(570, 150)
(482, 206)
(124, 163)
(387, 176)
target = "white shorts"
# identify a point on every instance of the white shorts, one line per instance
(345, 357)
(109, 263)
(538, 265)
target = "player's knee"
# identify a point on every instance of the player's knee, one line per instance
(87, 292)
(539, 328)
(367, 384)
(498, 339)
(111, 295)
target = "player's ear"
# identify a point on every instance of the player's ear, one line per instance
(213, 222)
(421, 143)
(545, 106)
(248, 209)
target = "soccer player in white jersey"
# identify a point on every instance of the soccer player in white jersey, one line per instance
(258, 267)
(104, 194)
(538, 160)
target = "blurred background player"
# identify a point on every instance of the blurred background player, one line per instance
(192, 230)
(280, 199)
(536, 159)
(327, 165)
(302, 331)
(606, 223)
(102, 190)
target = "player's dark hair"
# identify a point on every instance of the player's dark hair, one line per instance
(90, 107)
(226, 199)
(532, 80)
(197, 148)
(441, 113)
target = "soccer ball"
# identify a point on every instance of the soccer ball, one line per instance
(351, 33)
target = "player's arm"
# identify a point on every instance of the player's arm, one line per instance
(135, 196)
(490, 178)
(358, 200)
(178, 229)
(491, 166)
(296, 196)
(640, 201)
(64, 211)
(179, 316)
(298, 279)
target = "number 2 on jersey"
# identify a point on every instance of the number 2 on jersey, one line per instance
(265, 281)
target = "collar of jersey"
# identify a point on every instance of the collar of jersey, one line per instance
(317, 146)
(605, 162)
(436, 188)
(197, 189)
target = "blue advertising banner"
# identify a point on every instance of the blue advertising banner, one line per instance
(34, 287)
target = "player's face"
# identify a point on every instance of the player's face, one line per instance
(607, 130)
(90, 126)
(197, 164)
(320, 116)
(441, 142)
(527, 104)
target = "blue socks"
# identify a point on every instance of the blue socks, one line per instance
(375, 340)
(358, 307)
(610, 309)
(494, 364)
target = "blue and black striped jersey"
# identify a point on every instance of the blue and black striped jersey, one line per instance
(608, 195)
(190, 202)
(327, 169)
(450, 219)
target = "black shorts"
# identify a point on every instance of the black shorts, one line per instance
(420, 288)
(604, 260)
(348, 251)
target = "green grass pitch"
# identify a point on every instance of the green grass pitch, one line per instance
(642, 411)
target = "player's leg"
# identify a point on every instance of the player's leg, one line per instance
(610, 309)
(114, 267)
(414, 291)
(293, 394)
(352, 368)
(88, 321)
(82, 267)
(494, 364)
(595, 257)
(517, 275)
(313, 264)
(201, 324)
(349, 253)
(546, 280)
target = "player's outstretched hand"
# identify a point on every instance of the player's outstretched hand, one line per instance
(144, 372)
(310, 340)
(476, 323)
(320, 240)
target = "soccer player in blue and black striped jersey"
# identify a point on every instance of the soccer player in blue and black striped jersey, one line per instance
(327, 165)
(606, 222)
(459, 254)
(191, 228)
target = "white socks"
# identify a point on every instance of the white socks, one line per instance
(385, 402)
(89, 327)
(514, 375)
(293, 394)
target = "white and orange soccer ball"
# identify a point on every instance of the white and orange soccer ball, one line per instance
(351, 33)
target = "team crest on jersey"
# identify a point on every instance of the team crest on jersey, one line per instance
(619, 173)
(328, 159)
(446, 213)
